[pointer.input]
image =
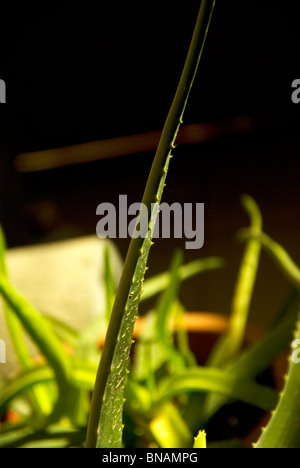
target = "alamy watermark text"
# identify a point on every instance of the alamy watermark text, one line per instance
(2, 92)
(187, 221)
(296, 92)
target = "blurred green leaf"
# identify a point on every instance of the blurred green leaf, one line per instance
(283, 429)
(164, 308)
(40, 396)
(23, 383)
(158, 283)
(230, 344)
(202, 379)
(109, 283)
(169, 429)
(56, 436)
(278, 253)
(260, 355)
(200, 440)
(39, 330)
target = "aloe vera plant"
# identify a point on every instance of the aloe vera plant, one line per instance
(150, 394)
(162, 397)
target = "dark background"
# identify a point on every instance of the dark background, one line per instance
(80, 71)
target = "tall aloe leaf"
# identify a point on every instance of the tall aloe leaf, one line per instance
(107, 400)
(231, 344)
(246, 281)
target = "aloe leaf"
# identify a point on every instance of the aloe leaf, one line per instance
(111, 418)
(229, 345)
(64, 331)
(109, 281)
(82, 377)
(22, 383)
(182, 337)
(149, 356)
(40, 396)
(102, 430)
(164, 307)
(159, 282)
(278, 253)
(202, 379)
(149, 352)
(54, 436)
(138, 398)
(84, 373)
(283, 430)
(38, 329)
(260, 355)
(200, 440)
(246, 281)
(169, 429)
(12, 321)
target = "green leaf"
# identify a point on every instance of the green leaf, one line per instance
(40, 396)
(159, 282)
(169, 429)
(64, 331)
(38, 329)
(245, 283)
(164, 308)
(109, 282)
(82, 376)
(283, 430)
(217, 381)
(13, 322)
(147, 354)
(111, 418)
(229, 345)
(278, 253)
(260, 355)
(48, 343)
(84, 373)
(200, 440)
(23, 383)
(55, 436)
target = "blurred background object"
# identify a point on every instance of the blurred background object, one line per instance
(63, 281)
(92, 84)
